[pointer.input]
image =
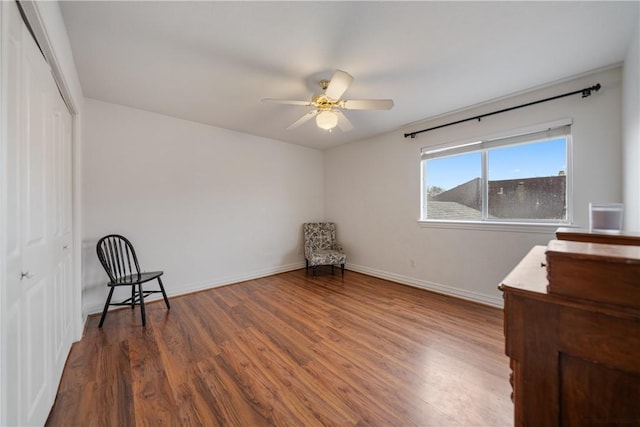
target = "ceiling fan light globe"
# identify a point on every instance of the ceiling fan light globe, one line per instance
(326, 120)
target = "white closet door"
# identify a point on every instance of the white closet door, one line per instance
(12, 339)
(38, 275)
(60, 236)
(37, 301)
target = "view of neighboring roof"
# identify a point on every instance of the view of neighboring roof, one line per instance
(451, 210)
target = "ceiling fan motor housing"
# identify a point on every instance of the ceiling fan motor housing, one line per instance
(323, 103)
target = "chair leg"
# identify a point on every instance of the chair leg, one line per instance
(314, 269)
(306, 268)
(342, 268)
(133, 297)
(164, 294)
(106, 306)
(332, 269)
(144, 317)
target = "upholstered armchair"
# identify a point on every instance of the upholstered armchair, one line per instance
(321, 247)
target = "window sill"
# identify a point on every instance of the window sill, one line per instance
(513, 227)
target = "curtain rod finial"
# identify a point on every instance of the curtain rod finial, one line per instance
(587, 92)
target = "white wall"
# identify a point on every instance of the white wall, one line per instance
(631, 129)
(372, 192)
(208, 206)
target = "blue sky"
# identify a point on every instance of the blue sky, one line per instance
(546, 158)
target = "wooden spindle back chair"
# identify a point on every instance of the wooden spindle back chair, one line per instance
(117, 256)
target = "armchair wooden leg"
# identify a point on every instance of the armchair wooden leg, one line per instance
(314, 268)
(306, 267)
(342, 268)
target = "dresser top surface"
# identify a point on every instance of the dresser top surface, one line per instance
(530, 274)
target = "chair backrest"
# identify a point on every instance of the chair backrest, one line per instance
(117, 256)
(319, 235)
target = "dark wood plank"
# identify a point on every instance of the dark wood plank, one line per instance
(292, 349)
(182, 342)
(153, 399)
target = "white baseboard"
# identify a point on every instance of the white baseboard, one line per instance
(405, 280)
(215, 283)
(430, 286)
(229, 280)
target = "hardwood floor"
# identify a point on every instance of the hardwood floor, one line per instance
(292, 350)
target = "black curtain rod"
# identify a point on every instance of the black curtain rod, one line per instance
(585, 93)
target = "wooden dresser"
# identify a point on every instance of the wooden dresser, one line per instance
(572, 328)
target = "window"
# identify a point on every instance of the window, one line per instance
(522, 178)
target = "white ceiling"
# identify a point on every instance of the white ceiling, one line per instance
(212, 62)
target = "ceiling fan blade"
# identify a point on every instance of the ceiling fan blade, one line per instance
(286, 101)
(367, 104)
(301, 120)
(338, 85)
(343, 123)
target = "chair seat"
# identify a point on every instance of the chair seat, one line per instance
(326, 257)
(136, 278)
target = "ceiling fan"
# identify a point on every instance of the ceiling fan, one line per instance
(328, 105)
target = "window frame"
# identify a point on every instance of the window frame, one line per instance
(532, 134)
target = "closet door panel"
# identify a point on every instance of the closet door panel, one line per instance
(12, 163)
(36, 375)
(33, 149)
